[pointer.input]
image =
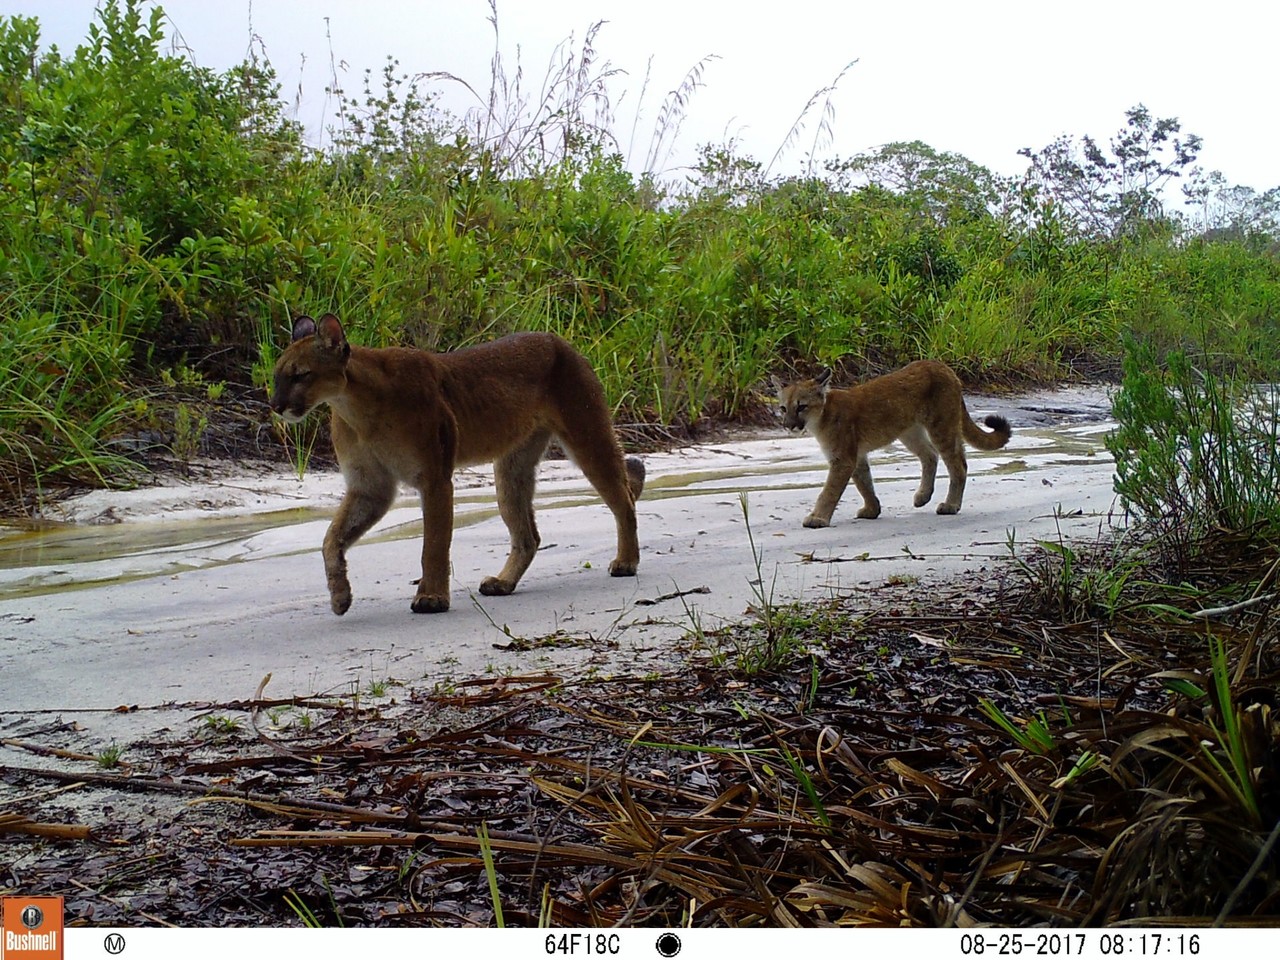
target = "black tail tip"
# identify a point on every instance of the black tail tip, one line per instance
(998, 424)
(635, 475)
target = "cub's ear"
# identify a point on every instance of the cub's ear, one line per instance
(331, 335)
(822, 376)
(776, 384)
(303, 327)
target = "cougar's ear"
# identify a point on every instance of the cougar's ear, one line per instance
(331, 335)
(822, 377)
(303, 327)
(776, 384)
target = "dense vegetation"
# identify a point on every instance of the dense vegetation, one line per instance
(160, 224)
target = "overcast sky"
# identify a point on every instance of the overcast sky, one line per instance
(980, 78)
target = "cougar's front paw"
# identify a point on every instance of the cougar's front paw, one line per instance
(620, 569)
(430, 603)
(815, 522)
(947, 509)
(869, 512)
(495, 587)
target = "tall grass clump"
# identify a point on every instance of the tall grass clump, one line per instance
(1197, 448)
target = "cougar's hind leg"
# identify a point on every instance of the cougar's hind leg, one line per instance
(363, 505)
(918, 442)
(618, 480)
(515, 477)
(862, 480)
(582, 421)
(436, 488)
(957, 475)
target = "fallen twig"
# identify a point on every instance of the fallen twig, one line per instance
(1211, 612)
(16, 823)
(643, 602)
(44, 751)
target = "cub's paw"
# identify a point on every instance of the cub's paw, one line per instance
(815, 522)
(947, 509)
(429, 603)
(620, 569)
(869, 512)
(495, 587)
(922, 498)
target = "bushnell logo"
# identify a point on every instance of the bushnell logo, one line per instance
(32, 928)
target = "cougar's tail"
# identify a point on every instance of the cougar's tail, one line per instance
(635, 476)
(999, 434)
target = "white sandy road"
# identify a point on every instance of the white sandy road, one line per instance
(199, 592)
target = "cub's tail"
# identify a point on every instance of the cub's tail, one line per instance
(999, 434)
(635, 476)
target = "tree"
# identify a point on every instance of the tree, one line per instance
(1118, 192)
(943, 187)
(1233, 212)
(722, 174)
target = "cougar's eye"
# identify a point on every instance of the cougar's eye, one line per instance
(801, 407)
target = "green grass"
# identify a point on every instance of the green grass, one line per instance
(109, 757)
(1197, 448)
(1033, 735)
(220, 725)
(131, 249)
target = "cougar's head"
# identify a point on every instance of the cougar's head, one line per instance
(802, 400)
(312, 369)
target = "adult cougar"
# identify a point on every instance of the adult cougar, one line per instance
(408, 416)
(921, 405)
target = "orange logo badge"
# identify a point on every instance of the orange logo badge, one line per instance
(32, 928)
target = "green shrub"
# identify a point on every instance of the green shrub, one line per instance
(1197, 449)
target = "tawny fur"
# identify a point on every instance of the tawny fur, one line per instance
(413, 417)
(921, 405)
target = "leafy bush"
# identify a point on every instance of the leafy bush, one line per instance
(116, 169)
